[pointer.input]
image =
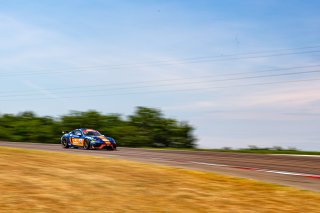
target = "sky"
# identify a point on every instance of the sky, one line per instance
(241, 72)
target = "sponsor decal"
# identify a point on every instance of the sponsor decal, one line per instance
(77, 141)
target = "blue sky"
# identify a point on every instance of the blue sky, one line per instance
(111, 56)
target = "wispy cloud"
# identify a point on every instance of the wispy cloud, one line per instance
(39, 89)
(262, 103)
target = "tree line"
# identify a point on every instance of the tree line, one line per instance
(146, 127)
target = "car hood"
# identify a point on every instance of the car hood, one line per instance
(100, 139)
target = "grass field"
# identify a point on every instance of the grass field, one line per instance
(36, 181)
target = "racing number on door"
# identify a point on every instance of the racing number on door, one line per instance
(77, 141)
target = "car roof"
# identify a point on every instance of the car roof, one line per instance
(87, 130)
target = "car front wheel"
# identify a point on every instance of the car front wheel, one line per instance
(86, 144)
(64, 143)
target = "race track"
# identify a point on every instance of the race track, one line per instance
(298, 171)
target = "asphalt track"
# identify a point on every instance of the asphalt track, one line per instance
(298, 171)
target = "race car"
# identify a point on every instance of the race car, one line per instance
(87, 139)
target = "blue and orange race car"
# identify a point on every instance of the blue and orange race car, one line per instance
(87, 139)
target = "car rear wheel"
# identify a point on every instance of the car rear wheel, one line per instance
(114, 147)
(64, 143)
(86, 144)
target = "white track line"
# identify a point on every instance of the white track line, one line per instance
(209, 164)
(259, 170)
(297, 155)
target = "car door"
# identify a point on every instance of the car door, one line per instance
(77, 138)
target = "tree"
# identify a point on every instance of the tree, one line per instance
(160, 131)
(147, 127)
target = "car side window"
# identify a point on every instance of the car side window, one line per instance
(77, 132)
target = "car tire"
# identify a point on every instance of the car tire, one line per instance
(86, 144)
(64, 143)
(111, 148)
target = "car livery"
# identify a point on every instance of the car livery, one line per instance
(87, 139)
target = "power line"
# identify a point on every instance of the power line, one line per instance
(215, 87)
(206, 81)
(172, 62)
(155, 82)
(171, 91)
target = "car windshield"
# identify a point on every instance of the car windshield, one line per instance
(92, 133)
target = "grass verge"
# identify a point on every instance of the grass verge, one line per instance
(36, 181)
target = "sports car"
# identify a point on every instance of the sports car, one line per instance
(87, 139)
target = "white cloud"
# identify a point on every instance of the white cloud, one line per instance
(39, 89)
(286, 101)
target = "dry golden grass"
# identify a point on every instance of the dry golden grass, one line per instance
(35, 181)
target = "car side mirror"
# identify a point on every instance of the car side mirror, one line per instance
(65, 132)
